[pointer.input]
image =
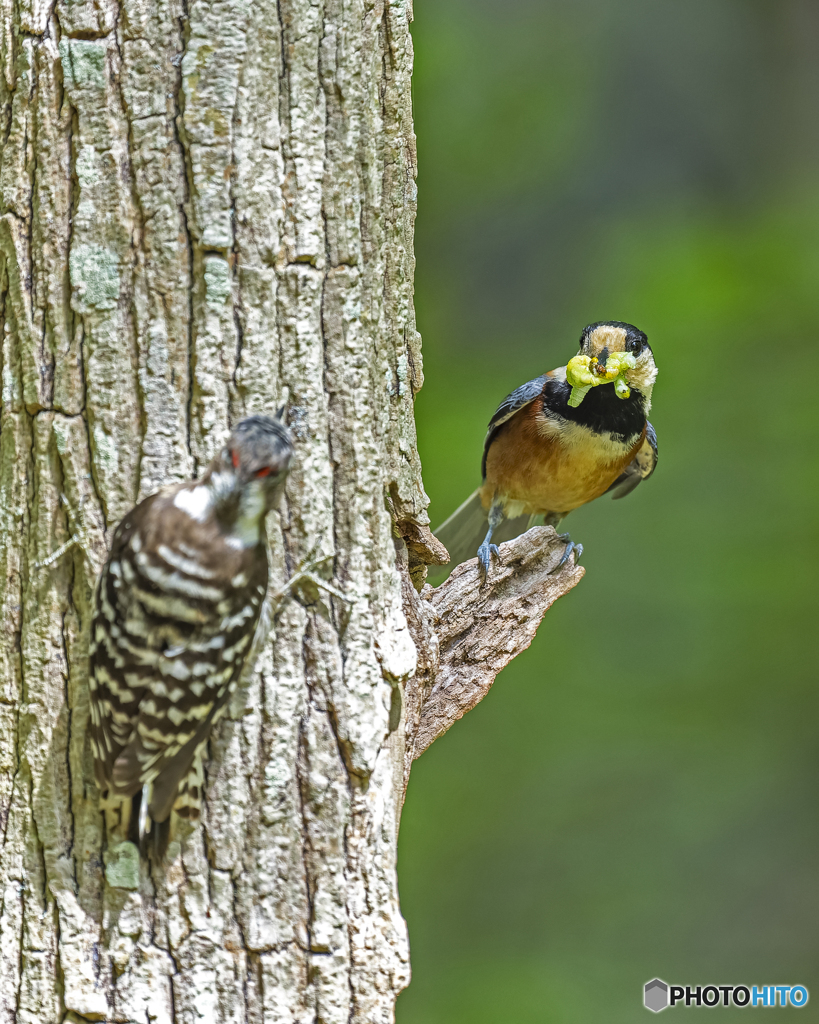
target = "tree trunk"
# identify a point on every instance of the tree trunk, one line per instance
(207, 211)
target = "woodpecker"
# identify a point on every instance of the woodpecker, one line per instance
(553, 445)
(177, 605)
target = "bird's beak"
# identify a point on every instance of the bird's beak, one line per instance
(603, 358)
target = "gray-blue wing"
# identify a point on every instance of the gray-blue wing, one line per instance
(640, 468)
(521, 396)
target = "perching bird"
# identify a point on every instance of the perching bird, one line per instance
(552, 447)
(177, 606)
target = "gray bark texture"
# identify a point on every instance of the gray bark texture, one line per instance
(206, 211)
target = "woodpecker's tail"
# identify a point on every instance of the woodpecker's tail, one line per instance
(151, 837)
(464, 531)
(153, 816)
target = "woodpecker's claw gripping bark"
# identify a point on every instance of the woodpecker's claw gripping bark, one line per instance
(306, 573)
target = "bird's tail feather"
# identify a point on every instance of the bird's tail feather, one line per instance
(464, 531)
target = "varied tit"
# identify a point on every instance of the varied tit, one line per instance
(560, 441)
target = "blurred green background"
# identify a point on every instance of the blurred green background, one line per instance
(637, 795)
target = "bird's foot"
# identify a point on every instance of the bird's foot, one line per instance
(485, 553)
(306, 573)
(571, 547)
(80, 538)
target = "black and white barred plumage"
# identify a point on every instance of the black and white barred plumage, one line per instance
(177, 606)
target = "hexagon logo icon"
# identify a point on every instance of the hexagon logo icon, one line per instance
(655, 995)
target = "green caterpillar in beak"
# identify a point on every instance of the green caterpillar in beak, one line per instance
(585, 373)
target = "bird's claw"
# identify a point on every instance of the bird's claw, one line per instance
(567, 554)
(306, 573)
(485, 553)
(81, 537)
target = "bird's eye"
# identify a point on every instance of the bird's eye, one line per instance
(634, 345)
(264, 471)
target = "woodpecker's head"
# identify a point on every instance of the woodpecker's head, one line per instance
(247, 476)
(600, 341)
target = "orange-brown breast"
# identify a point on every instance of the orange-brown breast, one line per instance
(550, 467)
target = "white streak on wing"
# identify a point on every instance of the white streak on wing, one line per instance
(141, 655)
(112, 714)
(238, 647)
(107, 608)
(177, 716)
(198, 711)
(102, 675)
(186, 565)
(113, 653)
(197, 647)
(136, 542)
(212, 679)
(229, 623)
(136, 627)
(239, 580)
(158, 735)
(173, 581)
(175, 669)
(195, 501)
(167, 608)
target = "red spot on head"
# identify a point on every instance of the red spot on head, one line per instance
(265, 471)
(235, 459)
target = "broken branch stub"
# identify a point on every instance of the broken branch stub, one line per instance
(479, 627)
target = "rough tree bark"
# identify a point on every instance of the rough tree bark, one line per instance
(206, 210)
